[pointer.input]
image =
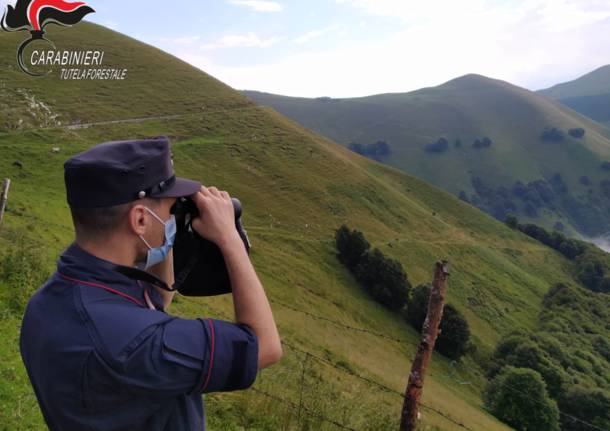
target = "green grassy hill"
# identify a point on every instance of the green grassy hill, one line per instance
(518, 173)
(296, 188)
(589, 94)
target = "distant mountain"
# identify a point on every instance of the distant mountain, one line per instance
(500, 147)
(589, 94)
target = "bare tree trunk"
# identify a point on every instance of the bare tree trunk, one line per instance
(4, 197)
(413, 393)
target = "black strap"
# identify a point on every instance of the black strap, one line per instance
(138, 274)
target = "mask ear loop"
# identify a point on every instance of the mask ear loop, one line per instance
(159, 219)
(155, 216)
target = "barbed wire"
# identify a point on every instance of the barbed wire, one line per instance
(343, 325)
(360, 377)
(375, 383)
(306, 409)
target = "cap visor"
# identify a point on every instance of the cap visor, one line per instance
(181, 187)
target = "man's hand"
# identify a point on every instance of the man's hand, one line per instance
(216, 221)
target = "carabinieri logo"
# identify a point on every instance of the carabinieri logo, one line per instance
(34, 15)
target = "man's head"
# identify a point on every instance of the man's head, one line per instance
(116, 189)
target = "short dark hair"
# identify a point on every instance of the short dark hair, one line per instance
(96, 223)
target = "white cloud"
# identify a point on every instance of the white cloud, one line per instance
(534, 44)
(248, 40)
(179, 40)
(314, 34)
(259, 5)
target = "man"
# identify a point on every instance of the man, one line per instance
(101, 351)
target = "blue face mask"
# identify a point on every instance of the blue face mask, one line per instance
(158, 254)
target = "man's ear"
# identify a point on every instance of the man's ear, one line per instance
(137, 221)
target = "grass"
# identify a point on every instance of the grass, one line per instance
(296, 188)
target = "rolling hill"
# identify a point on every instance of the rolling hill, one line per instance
(500, 147)
(588, 94)
(296, 188)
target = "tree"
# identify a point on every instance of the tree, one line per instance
(518, 397)
(590, 405)
(452, 341)
(604, 285)
(379, 148)
(440, 146)
(356, 148)
(520, 351)
(418, 305)
(552, 134)
(482, 143)
(454, 335)
(590, 274)
(351, 245)
(577, 132)
(463, 196)
(511, 221)
(383, 278)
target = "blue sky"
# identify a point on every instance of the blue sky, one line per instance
(343, 48)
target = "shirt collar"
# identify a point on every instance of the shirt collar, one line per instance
(77, 263)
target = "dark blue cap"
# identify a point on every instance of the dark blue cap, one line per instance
(118, 172)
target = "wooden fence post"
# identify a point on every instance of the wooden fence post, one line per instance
(4, 197)
(413, 393)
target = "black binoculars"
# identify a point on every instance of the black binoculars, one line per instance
(199, 265)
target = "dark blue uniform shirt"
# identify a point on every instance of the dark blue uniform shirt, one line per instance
(99, 358)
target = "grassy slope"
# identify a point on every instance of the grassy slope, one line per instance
(296, 188)
(469, 107)
(590, 84)
(588, 94)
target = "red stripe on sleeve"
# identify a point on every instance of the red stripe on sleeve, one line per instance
(207, 379)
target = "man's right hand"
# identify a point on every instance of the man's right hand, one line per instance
(216, 220)
(217, 223)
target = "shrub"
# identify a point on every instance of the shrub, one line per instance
(518, 397)
(351, 245)
(356, 148)
(379, 148)
(482, 143)
(417, 308)
(454, 336)
(584, 404)
(606, 166)
(383, 278)
(552, 134)
(604, 285)
(577, 132)
(511, 221)
(520, 351)
(590, 274)
(440, 146)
